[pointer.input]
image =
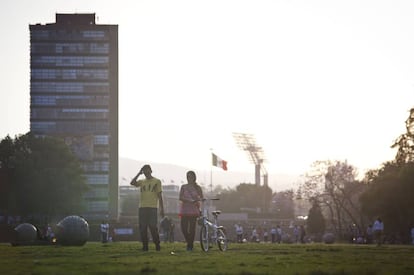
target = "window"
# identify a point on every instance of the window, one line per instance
(93, 34)
(40, 34)
(97, 179)
(96, 166)
(69, 74)
(70, 61)
(97, 193)
(101, 140)
(38, 126)
(96, 206)
(69, 87)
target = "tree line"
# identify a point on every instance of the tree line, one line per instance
(45, 179)
(346, 203)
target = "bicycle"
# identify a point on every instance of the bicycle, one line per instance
(211, 232)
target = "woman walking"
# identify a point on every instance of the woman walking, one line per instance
(190, 196)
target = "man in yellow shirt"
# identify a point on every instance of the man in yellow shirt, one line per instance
(151, 198)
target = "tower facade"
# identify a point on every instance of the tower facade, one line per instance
(74, 95)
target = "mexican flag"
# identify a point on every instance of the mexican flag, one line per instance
(218, 162)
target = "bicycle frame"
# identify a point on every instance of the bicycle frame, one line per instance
(211, 232)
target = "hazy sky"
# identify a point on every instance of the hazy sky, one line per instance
(311, 80)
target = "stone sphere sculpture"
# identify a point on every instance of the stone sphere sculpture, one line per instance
(25, 233)
(286, 238)
(329, 238)
(72, 230)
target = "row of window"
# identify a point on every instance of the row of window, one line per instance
(69, 87)
(83, 110)
(89, 147)
(66, 113)
(46, 127)
(70, 74)
(96, 166)
(69, 100)
(69, 61)
(97, 206)
(97, 193)
(101, 140)
(68, 35)
(97, 179)
(70, 48)
(90, 140)
(101, 154)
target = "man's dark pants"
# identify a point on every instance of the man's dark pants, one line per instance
(148, 219)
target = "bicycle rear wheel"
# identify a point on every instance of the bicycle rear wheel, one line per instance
(222, 239)
(204, 237)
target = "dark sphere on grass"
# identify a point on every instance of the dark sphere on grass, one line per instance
(72, 230)
(25, 233)
(329, 238)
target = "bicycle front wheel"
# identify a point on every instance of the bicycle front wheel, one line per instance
(204, 237)
(222, 239)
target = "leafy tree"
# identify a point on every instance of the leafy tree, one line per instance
(391, 189)
(333, 185)
(316, 221)
(246, 196)
(283, 205)
(389, 195)
(405, 142)
(130, 204)
(46, 178)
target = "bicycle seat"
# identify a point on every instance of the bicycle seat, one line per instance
(216, 213)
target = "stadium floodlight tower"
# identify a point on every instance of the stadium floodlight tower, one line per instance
(247, 142)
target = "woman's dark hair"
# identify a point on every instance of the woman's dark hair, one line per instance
(191, 173)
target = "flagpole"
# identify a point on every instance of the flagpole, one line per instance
(211, 171)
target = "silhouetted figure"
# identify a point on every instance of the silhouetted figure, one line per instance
(296, 234)
(239, 232)
(412, 235)
(273, 233)
(190, 196)
(302, 234)
(378, 228)
(370, 234)
(166, 228)
(104, 232)
(151, 199)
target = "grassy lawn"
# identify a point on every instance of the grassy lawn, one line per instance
(127, 258)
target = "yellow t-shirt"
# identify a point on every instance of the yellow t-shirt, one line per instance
(150, 188)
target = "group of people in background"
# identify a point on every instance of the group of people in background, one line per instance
(190, 197)
(373, 234)
(258, 234)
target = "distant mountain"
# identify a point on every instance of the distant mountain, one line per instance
(175, 174)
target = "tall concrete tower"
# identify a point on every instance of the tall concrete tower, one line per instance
(74, 95)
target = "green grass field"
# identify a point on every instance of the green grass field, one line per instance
(127, 258)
